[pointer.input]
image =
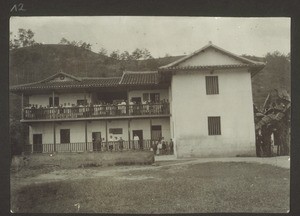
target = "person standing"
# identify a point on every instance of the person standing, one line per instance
(136, 140)
(121, 144)
(159, 147)
(164, 146)
(171, 146)
(154, 147)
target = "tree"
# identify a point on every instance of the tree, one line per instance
(146, 54)
(102, 51)
(81, 44)
(137, 54)
(64, 41)
(125, 56)
(24, 39)
(85, 45)
(115, 54)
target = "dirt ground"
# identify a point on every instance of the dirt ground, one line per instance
(193, 185)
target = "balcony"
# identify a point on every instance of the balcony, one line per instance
(96, 111)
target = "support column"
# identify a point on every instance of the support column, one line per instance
(150, 132)
(53, 109)
(127, 104)
(22, 106)
(129, 145)
(85, 104)
(54, 136)
(106, 136)
(85, 133)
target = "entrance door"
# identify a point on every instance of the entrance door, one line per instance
(156, 132)
(96, 136)
(37, 143)
(137, 144)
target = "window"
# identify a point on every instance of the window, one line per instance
(154, 97)
(116, 131)
(56, 101)
(156, 127)
(214, 125)
(81, 102)
(212, 85)
(145, 97)
(156, 132)
(64, 135)
(137, 100)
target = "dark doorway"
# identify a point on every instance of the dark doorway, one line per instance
(96, 136)
(64, 135)
(156, 132)
(37, 143)
(139, 143)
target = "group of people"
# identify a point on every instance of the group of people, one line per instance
(99, 108)
(162, 147)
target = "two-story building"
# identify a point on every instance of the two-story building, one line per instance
(203, 102)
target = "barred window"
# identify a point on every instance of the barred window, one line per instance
(212, 85)
(214, 125)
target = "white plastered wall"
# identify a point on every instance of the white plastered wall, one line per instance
(210, 56)
(77, 129)
(191, 107)
(164, 93)
(63, 98)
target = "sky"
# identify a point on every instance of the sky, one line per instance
(163, 35)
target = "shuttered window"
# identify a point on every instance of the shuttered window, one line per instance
(212, 85)
(214, 125)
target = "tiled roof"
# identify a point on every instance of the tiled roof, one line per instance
(211, 67)
(128, 78)
(139, 78)
(84, 83)
(210, 45)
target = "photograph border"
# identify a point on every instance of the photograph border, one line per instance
(221, 8)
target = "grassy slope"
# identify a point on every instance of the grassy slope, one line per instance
(208, 187)
(38, 62)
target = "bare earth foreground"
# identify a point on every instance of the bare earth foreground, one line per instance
(182, 186)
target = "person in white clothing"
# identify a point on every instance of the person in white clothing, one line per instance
(136, 140)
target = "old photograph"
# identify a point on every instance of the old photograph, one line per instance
(150, 114)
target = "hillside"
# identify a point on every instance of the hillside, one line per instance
(40, 61)
(275, 75)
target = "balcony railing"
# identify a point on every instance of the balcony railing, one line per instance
(96, 111)
(96, 146)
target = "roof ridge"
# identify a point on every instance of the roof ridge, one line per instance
(88, 78)
(139, 72)
(172, 64)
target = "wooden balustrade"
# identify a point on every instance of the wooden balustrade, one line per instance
(96, 111)
(90, 147)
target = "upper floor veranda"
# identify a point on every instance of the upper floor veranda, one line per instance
(65, 97)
